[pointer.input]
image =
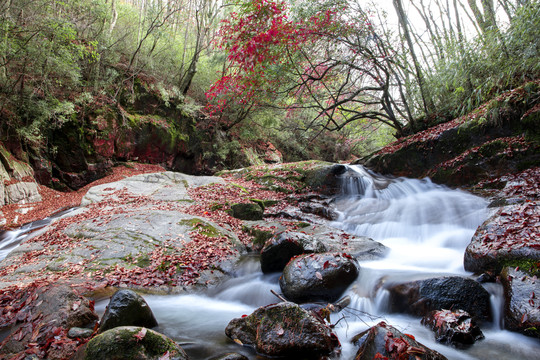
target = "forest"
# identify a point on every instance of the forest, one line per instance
(269, 179)
(317, 79)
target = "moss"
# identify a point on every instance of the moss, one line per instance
(203, 227)
(492, 148)
(260, 237)
(529, 266)
(143, 261)
(264, 203)
(240, 187)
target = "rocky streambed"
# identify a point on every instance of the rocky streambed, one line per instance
(206, 250)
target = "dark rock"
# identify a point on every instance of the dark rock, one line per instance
(318, 277)
(453, 327)
(320, 210)
(81, 333)
(247, 211)
(58, 306)
(483, 254)
(127, 308)
(385, 340)
(283, 329)
(452, 292)
(132, 343)
(522, 301)
(277, 251)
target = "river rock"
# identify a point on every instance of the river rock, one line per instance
(283, 329)
(489, 250)
(453, 327)
(56, 307)
(132, 343)
(522, 301)
(127, 308)
(318, 277)
(450, 292)
(277, 251)
(247, 211)
(383, 341)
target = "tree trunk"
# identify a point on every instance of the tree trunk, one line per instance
(426, 99)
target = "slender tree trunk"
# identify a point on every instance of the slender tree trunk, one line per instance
(426, 99)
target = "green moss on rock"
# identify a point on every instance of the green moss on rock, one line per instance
(132, 343)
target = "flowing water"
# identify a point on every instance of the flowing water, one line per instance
(427, 228)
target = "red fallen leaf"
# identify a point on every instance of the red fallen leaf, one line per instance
(165, 356)
(280, 331)
(410, 336)
(326, 264)
(524, 318)
(76, 305)
(318, 275)
(243, 316)
(141, 334)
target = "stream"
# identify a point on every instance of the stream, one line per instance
(427, 228)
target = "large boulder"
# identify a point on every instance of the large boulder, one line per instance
(57, 308)
(127, 308)
(383, 341)
(318, 277)
(505, 238)
(283, 329)
(522, 302)
(453, 327)
(450, 292)
(281, 248)
(132, 343)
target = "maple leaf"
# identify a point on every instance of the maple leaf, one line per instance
(165, 356)
(140, 335)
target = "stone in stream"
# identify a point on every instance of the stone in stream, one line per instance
(231, 356)
(285, 245)
(490, 251)
(318, 277)
(127, 308)
(132, 343)
(449, 292)
(453, 327)
(383, 341)
(522, 301)
(283, 329)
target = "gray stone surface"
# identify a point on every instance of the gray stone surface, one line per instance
(166, 186)
(22, 193)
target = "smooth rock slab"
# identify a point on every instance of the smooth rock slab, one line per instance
(318, 277)
(127, 308)
(132, 343)
(283, 329)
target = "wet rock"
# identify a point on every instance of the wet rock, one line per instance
(81, 333)
(22, 192)
(127, 308)
(320, 210)
(453, 327)
(283, 329)
(318, 277)
(132, 343)
(277, 251)
(522, 301)
(451, 292)
(231, 356)
(57, 307)
(385, 340)
(485, 254)
(247, 211)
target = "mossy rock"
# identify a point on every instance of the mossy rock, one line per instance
(247, 211)
(132, 343)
